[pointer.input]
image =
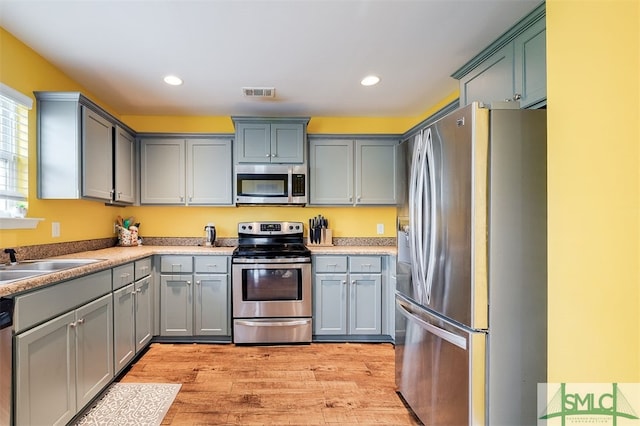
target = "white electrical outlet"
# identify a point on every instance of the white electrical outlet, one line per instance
(380, 228)
(55, 229)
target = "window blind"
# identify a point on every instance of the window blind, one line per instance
(14, 146)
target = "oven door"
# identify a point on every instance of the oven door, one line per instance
(271, 290)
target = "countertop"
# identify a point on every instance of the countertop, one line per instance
(115, 256)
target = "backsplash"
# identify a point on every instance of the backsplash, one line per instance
(59, 249)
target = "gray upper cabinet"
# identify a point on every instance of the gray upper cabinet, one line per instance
(124, 166)
(513, 68)
(186, 171)
(270, 141)
(79, 147)
(353, 172)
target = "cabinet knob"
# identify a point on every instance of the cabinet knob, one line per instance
(273, 155)
(81, 321)
(188, 282)
(353, 282)
(517, 97)
(268, 155)
(198, 282)
(344, 282)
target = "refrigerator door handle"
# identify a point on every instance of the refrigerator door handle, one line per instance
(415, 217)
(430, 158)
(452, 338)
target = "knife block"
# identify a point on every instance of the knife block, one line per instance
(326, 239)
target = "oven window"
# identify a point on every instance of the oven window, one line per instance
(260, 285)
(262, 185)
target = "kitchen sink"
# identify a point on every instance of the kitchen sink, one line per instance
(33, 268)
(49, 264)
(6, 276)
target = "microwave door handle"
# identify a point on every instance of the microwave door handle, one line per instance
(290, 185)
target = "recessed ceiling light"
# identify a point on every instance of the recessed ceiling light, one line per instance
(173, 80)
(370, 80)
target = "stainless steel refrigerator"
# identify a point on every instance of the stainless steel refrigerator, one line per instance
(471, 308)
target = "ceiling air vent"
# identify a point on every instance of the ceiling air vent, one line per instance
(259, 92)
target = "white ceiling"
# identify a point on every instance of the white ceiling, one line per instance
(314, 52)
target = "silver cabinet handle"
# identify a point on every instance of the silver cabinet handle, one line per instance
(354, 282)
(198, 282)
(188, 282)
(268, 155)
(81, 321)
(344, 282)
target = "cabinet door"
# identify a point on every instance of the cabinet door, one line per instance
(124, 332)
(124, 166)
(97, 156)
(491, 81)
(211, 305)
(143, 313)
(365, 304)
(331, 171)
(94, 348)
(530, 64)
(45, 376)
(176, 305)
(162, 171)
(253, 142)
(376, 179)
(330, 304)
(209, 174)
(287, 143)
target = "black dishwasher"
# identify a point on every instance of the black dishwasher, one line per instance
(6, 352)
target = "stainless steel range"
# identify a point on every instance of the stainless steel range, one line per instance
(271, 284)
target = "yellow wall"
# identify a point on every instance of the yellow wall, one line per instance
(26, 71)
(594, 187)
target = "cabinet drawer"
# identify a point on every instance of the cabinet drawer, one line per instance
(331, 264)
(211, 264)
(122, 275)
(365, 264)
(176, 264)
(41, 305)
(142, 268)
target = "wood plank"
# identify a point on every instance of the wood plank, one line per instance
(323, 383)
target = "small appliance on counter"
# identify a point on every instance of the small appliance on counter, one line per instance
(210, 235)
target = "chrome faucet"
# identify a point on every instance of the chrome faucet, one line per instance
(12, 256)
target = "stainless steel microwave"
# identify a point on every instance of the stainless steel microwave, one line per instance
(278, 184)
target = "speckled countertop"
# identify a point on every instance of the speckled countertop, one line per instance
(114, 256)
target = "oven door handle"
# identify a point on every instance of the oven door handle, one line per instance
(271, 323)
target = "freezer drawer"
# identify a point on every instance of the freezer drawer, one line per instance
(440, 368)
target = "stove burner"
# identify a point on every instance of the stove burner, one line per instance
(270, 240)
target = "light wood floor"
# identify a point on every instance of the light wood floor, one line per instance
(323, 383)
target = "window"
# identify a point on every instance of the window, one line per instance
(14, 152)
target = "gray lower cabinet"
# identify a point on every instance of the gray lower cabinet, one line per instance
(347, 295)
(132, 307)
(63, 364)
(194, 304)
(353, 171)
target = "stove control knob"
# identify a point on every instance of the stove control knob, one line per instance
(250, 227)
(243, 227)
